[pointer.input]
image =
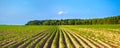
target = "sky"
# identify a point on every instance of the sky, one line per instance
(19, 12)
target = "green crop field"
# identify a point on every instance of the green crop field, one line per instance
(63, 36)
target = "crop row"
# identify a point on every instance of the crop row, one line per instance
(57, 37)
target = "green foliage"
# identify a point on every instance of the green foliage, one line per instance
(108, 20)
(10, 46)
(35, 22)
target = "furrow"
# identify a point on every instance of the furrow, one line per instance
(96, 43)
(55, 43)
(62, 43)
(37, 40)
(68, 41)
(50, 40)
(87, 41)
(16, 44)
(81, 42)
(106, 45)
(7, 45)
(44, 41)
(76, 44)
(30, 41)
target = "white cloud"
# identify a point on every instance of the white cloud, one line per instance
(60, 12)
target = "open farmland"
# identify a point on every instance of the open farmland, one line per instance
(64, 36)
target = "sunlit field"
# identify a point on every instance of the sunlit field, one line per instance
(63, 36)
(59, 23)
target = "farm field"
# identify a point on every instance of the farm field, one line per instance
(63, 36)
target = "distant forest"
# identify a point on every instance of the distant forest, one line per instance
(107, 20)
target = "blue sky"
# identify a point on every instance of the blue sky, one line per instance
(22, 11)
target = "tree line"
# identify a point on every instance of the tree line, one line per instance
(107, 20)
